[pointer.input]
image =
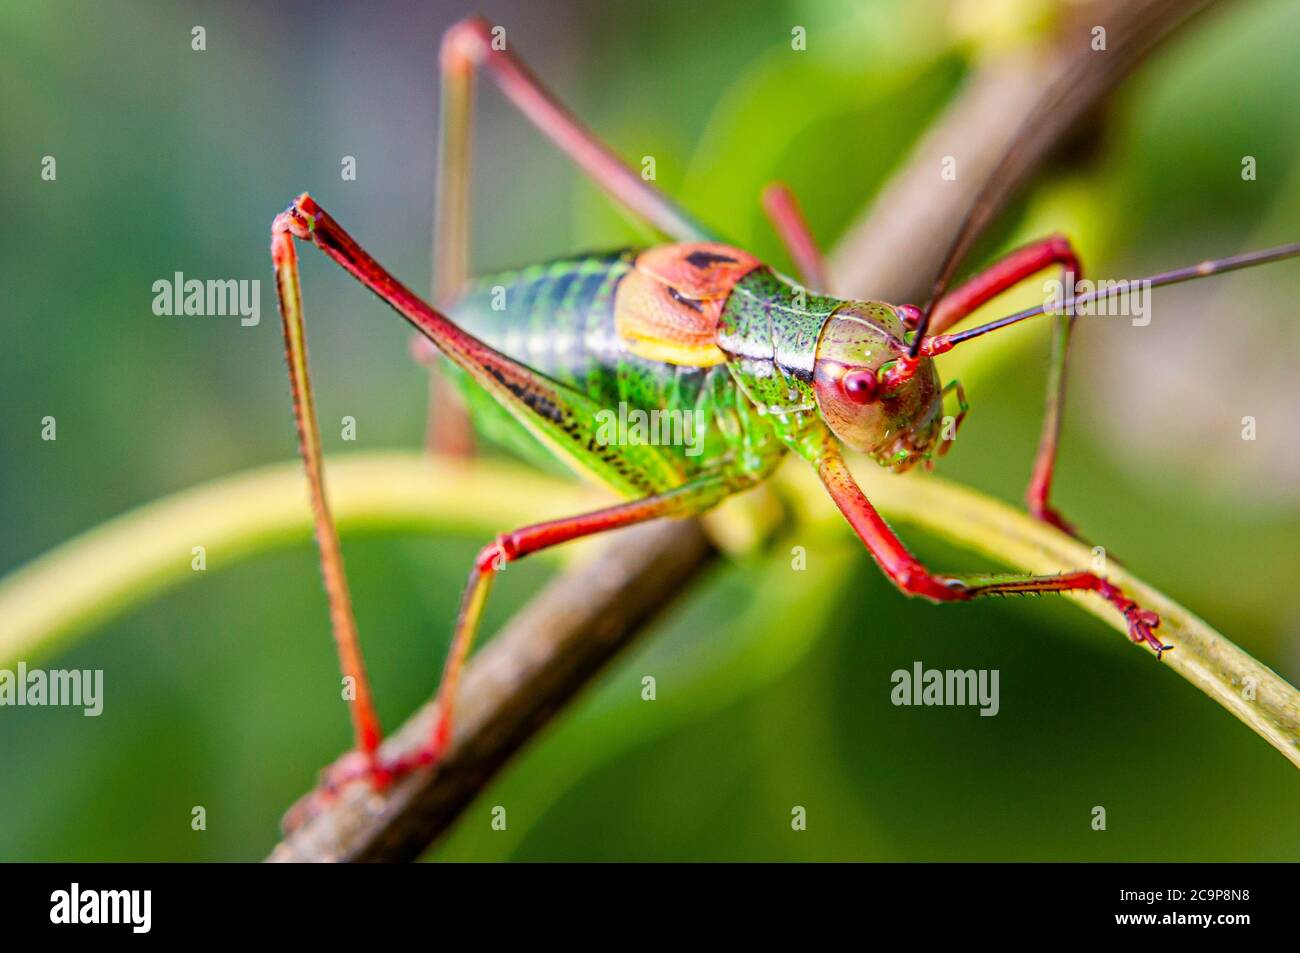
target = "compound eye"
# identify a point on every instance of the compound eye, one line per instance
(859, 386)
(910, 315)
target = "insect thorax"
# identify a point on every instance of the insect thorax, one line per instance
(769, 330)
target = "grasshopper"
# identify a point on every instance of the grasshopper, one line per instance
(764, 366)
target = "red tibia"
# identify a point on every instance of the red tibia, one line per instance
(492, 558)
(913, 578)
(988, 284)
(365, 721)
(511, 546)
(984, 287)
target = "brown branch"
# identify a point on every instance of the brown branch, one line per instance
(584, 617)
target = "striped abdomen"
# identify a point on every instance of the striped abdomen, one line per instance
(558, 319)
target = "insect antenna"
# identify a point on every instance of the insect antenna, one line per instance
(1204, 269)
(1032, 140)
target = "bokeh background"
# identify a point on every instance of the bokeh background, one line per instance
(223, 692)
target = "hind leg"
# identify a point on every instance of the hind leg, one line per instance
(468, 46)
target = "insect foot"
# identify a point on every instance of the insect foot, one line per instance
(353, 766)
(299, 219)
(1141, 622)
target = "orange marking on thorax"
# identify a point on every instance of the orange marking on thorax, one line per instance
(667, 308)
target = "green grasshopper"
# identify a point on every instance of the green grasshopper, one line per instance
(763, 366)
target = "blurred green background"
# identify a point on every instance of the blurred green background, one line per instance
(771, 692)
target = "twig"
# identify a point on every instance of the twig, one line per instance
(584, 617)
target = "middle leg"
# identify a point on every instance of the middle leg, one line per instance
(687, 500)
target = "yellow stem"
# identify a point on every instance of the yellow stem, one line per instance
(1253, 692)
(135, 556)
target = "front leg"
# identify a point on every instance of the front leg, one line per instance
(913, 578)
(999, 277)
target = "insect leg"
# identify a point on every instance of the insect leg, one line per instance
(792, 228)
(365, 721)
(466, 46)
(686, 500)
(913, 578)
(1002, 275)
(554, 412)
(305, 220)
(561, 417)
(448, 430)
(471, 44)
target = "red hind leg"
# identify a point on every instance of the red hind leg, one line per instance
(689, 499)
(471, 45)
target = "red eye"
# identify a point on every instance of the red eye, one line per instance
(859, 386)
(910, 314)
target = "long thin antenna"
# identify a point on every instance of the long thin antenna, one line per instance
(1033, 138)
(1204, 269)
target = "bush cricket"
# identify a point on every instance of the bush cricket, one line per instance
(769, 366)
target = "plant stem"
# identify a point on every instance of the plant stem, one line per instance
(1253, 692)
(134, 557)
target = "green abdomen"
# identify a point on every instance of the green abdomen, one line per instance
(558, 319)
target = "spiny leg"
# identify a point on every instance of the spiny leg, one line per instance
(448, 431)
(687, 500)
(988, 284)
(305, 220)
(552, 411)
(365, 721)
(470, 44)
(909, 575)
(791, 227)
(466, 46)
